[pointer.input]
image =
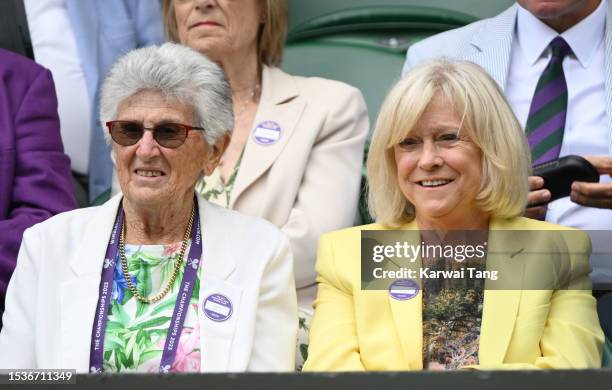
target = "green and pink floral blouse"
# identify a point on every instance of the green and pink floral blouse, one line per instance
(135, 331)
(214, 189)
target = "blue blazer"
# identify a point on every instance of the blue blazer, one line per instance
(105, 30)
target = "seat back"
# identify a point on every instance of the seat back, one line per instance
(364, 46)
(606, 360)
(301, 11)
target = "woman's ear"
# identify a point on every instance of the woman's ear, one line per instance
(215, 153)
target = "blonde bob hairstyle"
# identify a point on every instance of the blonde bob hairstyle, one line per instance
(487, 120)
(272, 34)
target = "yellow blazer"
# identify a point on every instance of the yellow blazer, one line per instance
(354, 330)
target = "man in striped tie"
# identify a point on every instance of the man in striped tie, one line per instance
(553, 60)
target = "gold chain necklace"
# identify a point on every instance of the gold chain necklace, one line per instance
(175, 272)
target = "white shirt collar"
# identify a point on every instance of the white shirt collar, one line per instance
(584, 38)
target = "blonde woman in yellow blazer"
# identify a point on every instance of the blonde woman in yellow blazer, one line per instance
(448, 154)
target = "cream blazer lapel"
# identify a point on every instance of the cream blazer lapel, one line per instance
(217, 266)
(278, 103)
(79, 296)
(491, 48)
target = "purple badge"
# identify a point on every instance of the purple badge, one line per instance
(267, 133)
(403, 289)
(217, 307)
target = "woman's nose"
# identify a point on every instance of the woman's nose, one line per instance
(205, 3)
(430, 157)
(147, 146)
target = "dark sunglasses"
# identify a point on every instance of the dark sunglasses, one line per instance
(168, 135)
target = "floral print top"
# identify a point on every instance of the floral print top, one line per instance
(214, 189)
(452, 314)
(135, 331)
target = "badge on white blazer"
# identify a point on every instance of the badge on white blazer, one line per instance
(267, 133)
(404, 289)
(217, 307)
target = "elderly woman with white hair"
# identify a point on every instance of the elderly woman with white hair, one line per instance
(449, 165)
(156, 279)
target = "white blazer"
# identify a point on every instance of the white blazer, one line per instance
(52, 296)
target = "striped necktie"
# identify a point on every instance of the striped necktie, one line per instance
(546, 120)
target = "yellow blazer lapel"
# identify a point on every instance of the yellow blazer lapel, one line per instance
(408, 314)
(408, 318)
(500, 307)
(278, 105)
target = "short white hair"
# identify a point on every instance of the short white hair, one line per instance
(180, 74)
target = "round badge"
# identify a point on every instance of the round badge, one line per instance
(217, 307)
(267, 133)
(404, 289)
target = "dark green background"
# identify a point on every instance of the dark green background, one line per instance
(303, 10)
(360, 54)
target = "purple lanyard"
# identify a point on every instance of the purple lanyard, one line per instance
(96, 355)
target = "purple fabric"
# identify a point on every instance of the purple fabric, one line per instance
(545, 96)
(549, 155)
(35, 178)
(547, 128)
(184, 295)
(551, 89)
(96, 351)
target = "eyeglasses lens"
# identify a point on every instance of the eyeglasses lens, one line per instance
(168, 135)
(126, 133)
